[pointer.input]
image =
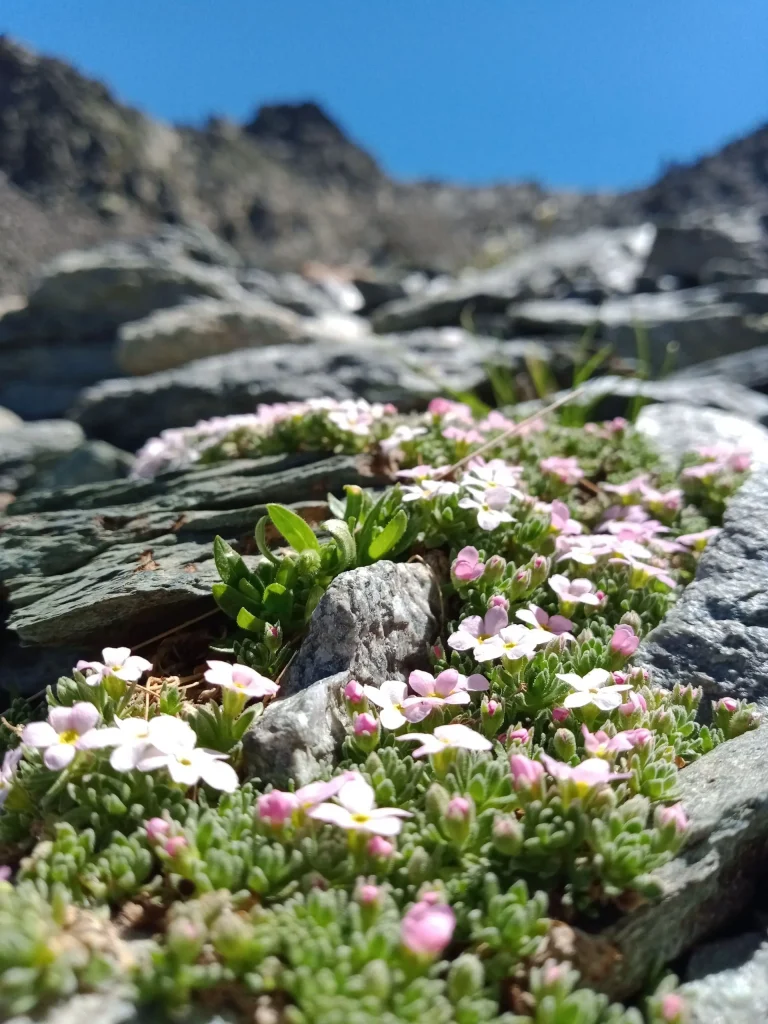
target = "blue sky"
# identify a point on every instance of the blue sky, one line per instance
(582, 93)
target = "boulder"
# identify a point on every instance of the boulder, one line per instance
(372, 624)
(9, 420)
(407, 370)
(31, 448)
(699, 254)
(716, 636)
(676, 428)
(207, 327)
(727, 981)
(597, 263)
(93, 462)
(717, 875)
(749, 369)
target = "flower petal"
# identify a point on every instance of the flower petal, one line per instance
(219, 775)
(578, 699)
(59, 756)
(421, 682)
(332, 814)
(357, 796)
(39, 734)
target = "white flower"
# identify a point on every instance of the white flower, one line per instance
(390, 697)
(356, 811)
(573, 591)
(240, 678)
(426, 490)
(591, 689)
(400, 435)
(66, 731)
(8, 772)
(133, 738)
(486, 476)
(445, 737)
(118, 661)
(174, 748)
(511, 642)
(491, 506)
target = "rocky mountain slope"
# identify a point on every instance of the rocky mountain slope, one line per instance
(77, 166)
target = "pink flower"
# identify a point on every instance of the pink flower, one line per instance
(635, 702)
(365, 725)
(276, 808)
(457, 411)
(474, 630)
(467, 566)
(525, 772)
(673, 1008)
(624, 641)
(390, 697)
(417, 473)
(356, 811)
(427, 928)
(379, 847)
(354, 692)
(728, 704)
(674, 814)
(560, 520)
(175, 845)
(634, 488)
(440, 406)
(585, 776)
(66, 731)
(368, 895)
(467, 436)
(157, 828)
(638, 737)
(491, 506)
(448, 688)
(445, 737)
(567, 470)
(537, 618)
(572, 592)
(519, 735)
(240, 678)
(698, 541)
(499, 601)
(118, 661)
(600, 744)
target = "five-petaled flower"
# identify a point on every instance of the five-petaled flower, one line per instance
(491, 506)
(66, 731)
(467, 565)
(512, 642)
(573, 592)
(355, 810)
(445, 737)
(592, 689)
(449, 687)
(391, 698)
(240, 678)
(476, 629)
(538, 619)
(119, 662)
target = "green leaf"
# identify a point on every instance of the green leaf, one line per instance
(278, 602)
(247, 588)
(365, 537)
(345, 542)
(313, 599)
(229, 565)
(228, 599)
(389, 536)
(249, 622)
(298, 534)
(260, 534)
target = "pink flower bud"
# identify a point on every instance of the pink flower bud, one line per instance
(675, 814)
(493, 707)
(519, 736)
(624, 641)
(369, 894)
(636, 702)
(365, 725)
(467, 565)
(728, 704)
(498, 601)
(380, 847)
(175, 845)
(673, 1008)
(353, 692)
(458, 808)
(277, 807)
(156, 829)
(560, 714)
(427, 928)
(525, 772)
(439, 406)
(5, 873)
(638, 737)
(600, 595)
(553, 973)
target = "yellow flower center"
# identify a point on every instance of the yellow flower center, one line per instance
(360, 818)
(185, 761)
(70, 736)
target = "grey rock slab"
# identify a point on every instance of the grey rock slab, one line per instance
(749, 369)
(714, 878)
(9, 420)
(210, 327)
(676, 428)
(727, 981)
(93, 462)
(694, 253)
(716, 636)
(373, 624)
(407, 370)
(29, 448)
(598, 261)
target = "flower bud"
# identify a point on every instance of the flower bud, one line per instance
(508, 835)
(498, 601)
(273, 637)
(157, 829)
(436, 802)
(560, 714)
(519, 735)
(662, 720)
(491, 716)
(427, 928)
(565, 744)
(624, 642)
(175, 845)
(465, 978)
(185, 939)
(633, 620)
(366, 731)
(419, 866)
(354, 695)
(369, 895)
(380, 848)
(494, 568)
(673, 816)
(459, 816)
(540, 567)
(673, 1009)
(525, 772)
(520, 585)
(728, 704)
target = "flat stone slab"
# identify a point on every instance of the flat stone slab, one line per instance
(717, 634)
